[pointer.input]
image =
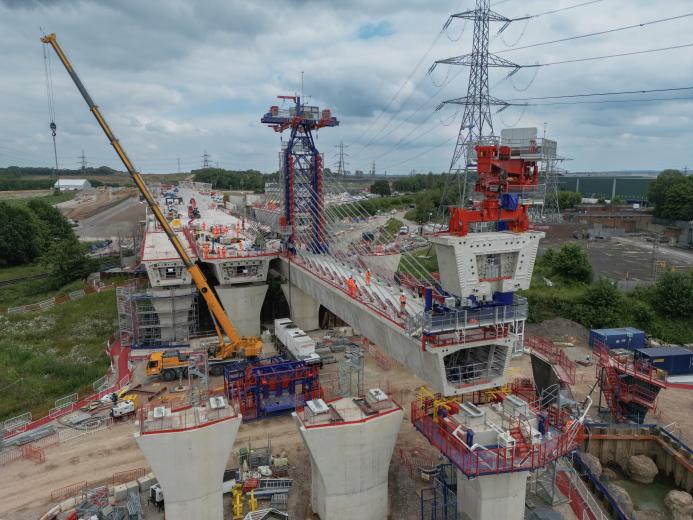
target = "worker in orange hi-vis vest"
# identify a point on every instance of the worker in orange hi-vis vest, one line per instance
(402, 301)
(351, 284)
(368, 277)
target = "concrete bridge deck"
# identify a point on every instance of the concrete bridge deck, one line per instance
(374, 313)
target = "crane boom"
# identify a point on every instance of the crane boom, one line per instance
(198, 277)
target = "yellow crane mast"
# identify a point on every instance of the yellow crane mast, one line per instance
(236, 345)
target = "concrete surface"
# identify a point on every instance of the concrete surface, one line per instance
(304, 308)
(492, 497)
(189, 464)
(349, 466)
(243, 304)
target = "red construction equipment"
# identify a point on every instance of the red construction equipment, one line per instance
(501, 178)
(630, 387)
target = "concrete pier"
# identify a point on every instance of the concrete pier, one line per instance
(350, 454)
(188, 451)
(243, 304)
(492, 497)
(304, 308)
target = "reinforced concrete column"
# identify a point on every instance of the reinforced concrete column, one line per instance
(304, 308)
(189, 464)
(492, 497)
(243, 304)
(349, 466)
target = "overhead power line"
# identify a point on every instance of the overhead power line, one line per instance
(603, 101)
(597, 33)
(608, 56)
(591, 94)
(561, 9)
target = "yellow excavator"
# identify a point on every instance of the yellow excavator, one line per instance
(171, 364)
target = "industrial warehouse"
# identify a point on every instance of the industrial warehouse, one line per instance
(327, 346)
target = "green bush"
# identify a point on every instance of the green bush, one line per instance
(570, 264)
(673, 295)
(18, 235)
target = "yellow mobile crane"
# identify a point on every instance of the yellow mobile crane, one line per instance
(159, 363)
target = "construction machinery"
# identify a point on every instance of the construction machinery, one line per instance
(230, 343)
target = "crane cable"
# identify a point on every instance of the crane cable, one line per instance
(48, 69)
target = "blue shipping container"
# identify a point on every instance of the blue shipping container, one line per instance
(675, 360)
(626, 337)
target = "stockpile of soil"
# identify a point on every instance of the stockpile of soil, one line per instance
(560, 330)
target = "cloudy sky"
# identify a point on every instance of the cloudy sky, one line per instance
(178, 77)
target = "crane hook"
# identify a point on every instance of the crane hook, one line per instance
(53, 128)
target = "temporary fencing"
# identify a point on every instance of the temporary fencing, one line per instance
(129, 475)
(57, 300)
(65, 405)
(78, 488)
(69, 434)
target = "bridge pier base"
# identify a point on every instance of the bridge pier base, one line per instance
(243, 304)
(492, 497)
(350, 461)
(305, 310)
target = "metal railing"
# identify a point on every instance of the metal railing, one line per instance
(554, 355)
(162, 419)
(436, 322)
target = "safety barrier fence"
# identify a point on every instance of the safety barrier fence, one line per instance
(436, 322)
(413, 460)
(381, 359)
(127, 476)
(478, 460)
(618, 513)
(161, 419)
(56, 300)
(28, 452)
(376, 300)
(626, 364)
(70, 434)
(62, 493)
(554, 355)
(64, 406)
(582, 501)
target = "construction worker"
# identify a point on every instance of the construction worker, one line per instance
(368, 277)
(351, 285)
(402, 301)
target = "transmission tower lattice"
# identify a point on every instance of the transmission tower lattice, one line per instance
(83, 162)
(341, 162)
(205, 160)
(477, 123)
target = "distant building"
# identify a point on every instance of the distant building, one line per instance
(72, 185)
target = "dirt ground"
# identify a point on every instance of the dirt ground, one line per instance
(119, 218)
(91, 202)
(25, 487)
(620, 258)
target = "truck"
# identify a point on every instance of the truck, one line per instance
(230, 344)
(295, 343)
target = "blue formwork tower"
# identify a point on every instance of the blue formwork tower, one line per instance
(301, 172)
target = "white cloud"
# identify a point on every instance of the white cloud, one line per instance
(177, 77)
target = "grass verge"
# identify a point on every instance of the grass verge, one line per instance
(48, 355)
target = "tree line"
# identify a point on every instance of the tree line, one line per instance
(36, 231)
(221, 179)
